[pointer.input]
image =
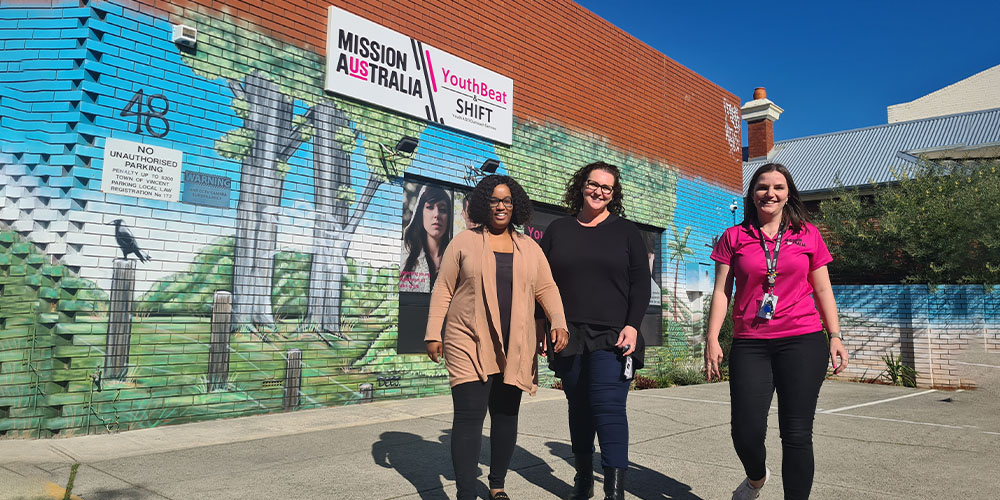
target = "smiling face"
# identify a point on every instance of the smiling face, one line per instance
(597, 190)
(436, 218)
(770, 195)
(501, 208)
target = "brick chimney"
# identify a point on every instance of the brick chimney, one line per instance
(760, 115)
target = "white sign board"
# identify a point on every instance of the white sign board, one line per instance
(141, 170)
(370, 62)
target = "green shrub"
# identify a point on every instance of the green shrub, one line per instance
(898, 373)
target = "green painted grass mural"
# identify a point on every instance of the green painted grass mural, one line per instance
(51, 360)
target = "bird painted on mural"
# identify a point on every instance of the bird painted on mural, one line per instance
(126, 241)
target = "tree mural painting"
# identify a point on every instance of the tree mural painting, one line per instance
(268, 120)
(265, 96)
(335, 224)
(678, 250)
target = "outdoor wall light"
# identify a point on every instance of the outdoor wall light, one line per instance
(404, 148)
(407, 145)
(490, 166)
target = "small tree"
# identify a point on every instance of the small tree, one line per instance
(936, 224)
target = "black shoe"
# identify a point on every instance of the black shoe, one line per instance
(614, 483)
(501, 495)
(583, 481)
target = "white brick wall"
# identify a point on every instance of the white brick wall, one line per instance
(975, 93)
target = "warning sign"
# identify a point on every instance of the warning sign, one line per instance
(141, 170)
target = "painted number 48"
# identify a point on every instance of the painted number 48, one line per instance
(134, 108)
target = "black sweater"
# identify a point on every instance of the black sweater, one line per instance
(602, 271)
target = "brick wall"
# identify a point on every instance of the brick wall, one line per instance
(931, 331)
(74, 74)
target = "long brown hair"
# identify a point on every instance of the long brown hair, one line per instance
(794, 213)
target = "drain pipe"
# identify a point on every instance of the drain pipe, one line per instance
(930, 356)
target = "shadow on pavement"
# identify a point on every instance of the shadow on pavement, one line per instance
(423, 463)
(640, 482)
(420, 462)
(130, 493)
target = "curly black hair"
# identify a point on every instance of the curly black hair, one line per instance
(573, 199)
(479, 202)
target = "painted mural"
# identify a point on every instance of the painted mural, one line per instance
(274, 281)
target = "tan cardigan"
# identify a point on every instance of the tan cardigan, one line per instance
(464, 302)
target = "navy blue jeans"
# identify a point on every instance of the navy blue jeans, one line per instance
(794, 367)
(596, 391)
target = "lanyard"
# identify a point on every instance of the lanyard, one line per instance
(772, 263)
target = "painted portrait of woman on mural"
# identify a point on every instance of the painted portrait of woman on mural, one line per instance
(427, 214)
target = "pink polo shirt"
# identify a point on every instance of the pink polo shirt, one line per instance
(801, 253)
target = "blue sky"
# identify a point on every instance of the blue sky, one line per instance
(831, 65)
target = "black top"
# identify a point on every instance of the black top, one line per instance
(505, 290)
(602, 271)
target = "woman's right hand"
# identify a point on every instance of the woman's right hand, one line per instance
(713, 359)
(434, 350)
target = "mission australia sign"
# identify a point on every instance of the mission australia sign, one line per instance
(372, 63)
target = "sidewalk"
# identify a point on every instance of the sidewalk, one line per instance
(871, 441)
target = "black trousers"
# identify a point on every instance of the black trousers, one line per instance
(794, 367)
(471, 401)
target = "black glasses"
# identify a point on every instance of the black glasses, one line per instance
(507, 202)
(593, 186)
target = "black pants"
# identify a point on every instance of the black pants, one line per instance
(794, 367)
(596, 391)
(471, 400)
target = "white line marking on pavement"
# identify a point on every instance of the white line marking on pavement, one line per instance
(900, 421)
(992, 433)
(685, 399)
(975, 364)
(835, 410)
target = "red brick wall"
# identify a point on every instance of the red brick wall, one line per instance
(761, 138)
(569, 67)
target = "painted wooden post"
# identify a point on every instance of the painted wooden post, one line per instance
(218, 354)
(293, 379)
(367, 392)
(119, 320)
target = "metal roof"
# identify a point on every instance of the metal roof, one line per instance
(867, 155)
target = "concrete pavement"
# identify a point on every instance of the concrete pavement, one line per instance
(871, 441)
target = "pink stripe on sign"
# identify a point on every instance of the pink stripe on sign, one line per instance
(359, 77)
(430, 69)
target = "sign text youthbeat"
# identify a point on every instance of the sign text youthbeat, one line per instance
(372, 63)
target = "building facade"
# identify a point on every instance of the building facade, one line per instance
(204, 205)
(978, 92)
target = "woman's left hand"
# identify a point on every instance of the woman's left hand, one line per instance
(559, 338)
(627, 337)
(837, 350)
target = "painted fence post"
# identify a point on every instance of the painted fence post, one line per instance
(367, 392)
(218, 354)
(293, 379)
(119, 320)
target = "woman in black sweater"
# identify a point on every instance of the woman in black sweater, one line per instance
(599, 262)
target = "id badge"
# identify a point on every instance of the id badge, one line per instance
(628, 368)
(768, 305)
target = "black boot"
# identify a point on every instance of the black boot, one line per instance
(583, 482)
(614, 483)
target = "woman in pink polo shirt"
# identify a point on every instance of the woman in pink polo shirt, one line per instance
(778, 263)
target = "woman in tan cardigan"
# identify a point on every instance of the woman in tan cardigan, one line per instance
(483, 308)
